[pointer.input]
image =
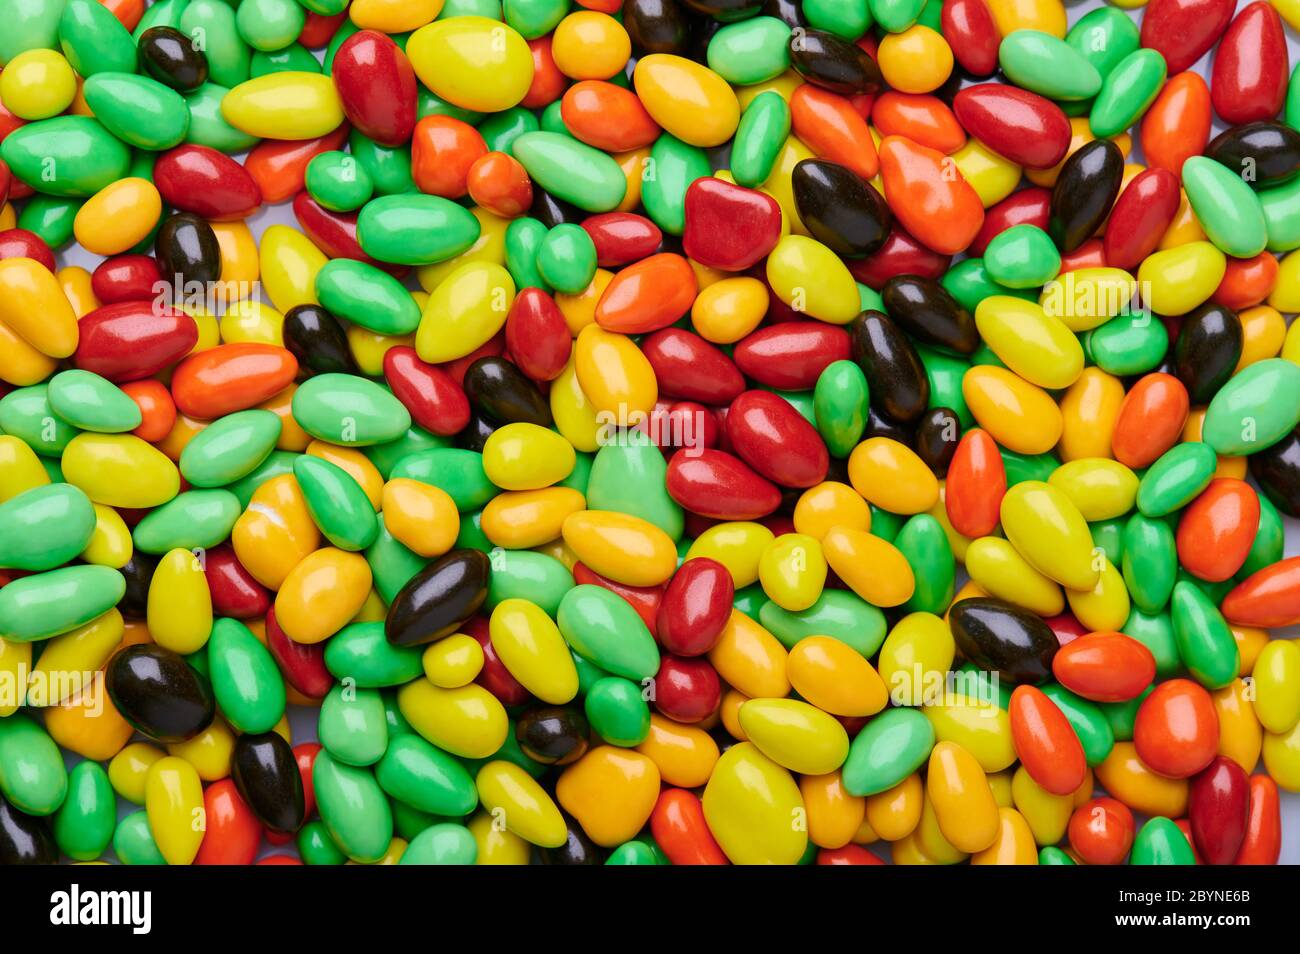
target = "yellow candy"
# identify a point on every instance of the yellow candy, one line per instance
(784, 86)
(290, 104)
(999, 568)
(1282, 758)
(1088, 297)
(1176, 280)
(991, 176)
(834, 678)
(891, 476)
(873, 568)
(684, 754)
(1048, 530)
(1263, 332)
(522, 456)
(834, 816)
(276, 532)
(1291, 346)
(1277, 686)
(751, 659)
(795, 735)
(292, 436)
(611, 792)
(751, 806)
(981, 727)
(1089, 411)
(780, 186)
(393, 16)
(118, 216)
(240, 262)
(180, 605)
(615, 376)
(812, 280)
(963, 802)
(738, 546)
(15, 667)
(793, 570)
(88, 724)
(1033, 344)
(580, 310)
(915, 657)
(466, 309)
(322, 594)
(209, 751)
(1014, 844)
(687, 99)
(489, 247)
(1241, 737)
(76, 284)
(130, 767)
(726, 311)
(512, 795)
(1185, 227)
(289, 263)
(1046, 814)
(422, 517)
(1101, 488)
(528, 518)
(173, 799)
(622, 547)
(67, 660)
(254, 322)
(357, 465)
(918, 60)
(1018, 415)
(34, 307)
(496, 844)
(37, 84)
(467, 721)
(20, 468)
(472, 62)
(830, 504)
(588, 45)
(1045, 15)
(110, 542)
(575, 416)
(453, 662)
(1105, 607)
(533, 651)
(120, 470)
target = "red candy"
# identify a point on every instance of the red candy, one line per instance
(1182, 31)
(1045, 742)
(209, 183)
(772, 437)
(688, 367)
(376, 86)
(622, 237)
(1251, 68)
(234, 591)
(970, 30)
(302, 664)
(436, 401)
(1219, 810)
(695, 607)
(130, 340)
(1142, 213)
(687, 689)
(537, 336)
(716, 484)
(1015, 123)
(125, 278)
(728, 226)
(791, 356)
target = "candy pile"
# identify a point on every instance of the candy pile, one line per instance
(599, 453)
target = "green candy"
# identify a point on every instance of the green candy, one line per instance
(28, 25)
(345, 30)
(138, 110)
(227, 53)
(92, 403)
(566, 259)
(391, 564)
(840, 401)
(316, 847)
(133, 842)
(386, 456)
(354, 808)
(1022, 467)
(415, 229)
(442, 844)
(430, 105)
(1205, 643)
(673, 166)
(1226, 207)
(337, 503)
(630, 476)
(425, 777)
(1047, 65)
(277, 462)
(84, 823)
(1109, 536)
(1104, 37)
(1023, 256)
(1155, 631)
(1270, 540)
(1291, 112)
(50, 603)
(51, 217)
(457, 471)
(750, 51)
(32, 776)
(208, 127)
(361, 653)
(553, 120)
(230, 448)
(945, 373)
(1161, 842)
(1258, 407)
(27, 415)
(352, 727)
(1281, 207)
(1087, 720)
(525, 574)
(1133, 343)
(1122, 715)
(66, 155)
(524, 238)
(293, 58)
(970, 283)
(349, 410)
(245, 678)
(571, 170)
(839, 614)
(764, 127)
(1127, 91)
(632, 853)
(1176, 478)
(892, 746)
(617, 710)
(895, 16)
(846, 18)
(367, 296)
(925, 545)
(338, 182)
(195, 519)
(162, 13)
(603, 627)
(749, 600)
(1149, 563)
(389, 167)
(270, 24)
(1050, 855)
(93, 40)
(1214, 592)
(45, 527)
(534, 18)
(885, 525)
(500, 130)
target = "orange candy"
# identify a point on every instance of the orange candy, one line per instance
(1177, 126)
(499, 183)
(157, 410)
(929, 195)
(443, 150)
(924, 119)
(649, 295)
(279, 167)
(830, 126)
(608, 117)
(1218, 529)
(1150, 420)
